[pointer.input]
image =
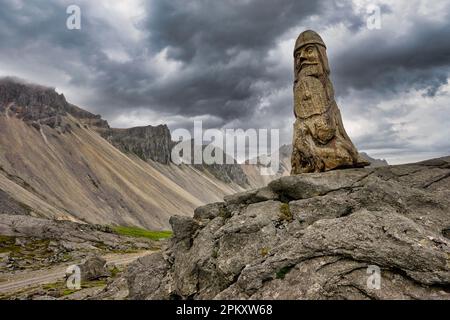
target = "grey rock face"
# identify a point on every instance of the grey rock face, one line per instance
(183, 228)
(229, 171)
(209, 211)
(226, 172)
(87, 118)
(313, 236)
(93, 268)
(10, 206)
(148, 143)
(147, 278)
(39, 105)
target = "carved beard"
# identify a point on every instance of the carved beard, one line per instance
(320, 70)
(310, 70)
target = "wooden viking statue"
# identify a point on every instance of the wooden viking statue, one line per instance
(320, 141)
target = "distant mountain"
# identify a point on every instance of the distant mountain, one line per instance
(59, 161)
(228, 171)
(375, 163)
(155, 144)
(148, 143)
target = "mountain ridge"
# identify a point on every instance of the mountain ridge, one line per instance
(54, 160)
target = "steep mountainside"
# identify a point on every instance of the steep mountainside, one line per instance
(155, 144)
(313, 236)
(54, 164)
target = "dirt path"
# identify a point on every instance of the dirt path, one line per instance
(15, 282)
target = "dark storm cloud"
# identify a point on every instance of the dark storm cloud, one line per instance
(388, 63)
(223, 61)
(223, 47)
(208, 29)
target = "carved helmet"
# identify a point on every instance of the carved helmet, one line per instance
(308, 37)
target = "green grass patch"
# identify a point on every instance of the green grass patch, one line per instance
(68, 292)
(28, 253)
(62, 291)
(5, 240)
(215, 253)
(53, 286)
(114, 271)
(224, 213)
(94, 284)
(142, 233)
(8, 244)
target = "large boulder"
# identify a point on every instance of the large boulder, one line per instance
(94, 268)
(313, 236)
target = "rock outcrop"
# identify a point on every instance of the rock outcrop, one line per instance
(155, 144)
(94, 268)
(38, 105)
(312, 236)
(228, 171)
(148, 143)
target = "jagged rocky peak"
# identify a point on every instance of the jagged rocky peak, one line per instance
(87, 118)
(312, 236)
(39, 105)
(32, 103)
(15, 91)
(148, 143)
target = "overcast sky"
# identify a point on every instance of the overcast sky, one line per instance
(229, 63)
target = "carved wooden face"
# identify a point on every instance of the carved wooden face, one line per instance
(307, 59)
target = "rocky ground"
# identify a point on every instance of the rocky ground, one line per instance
(28, 243)
(35, 254)
(51, 283)
(311, 236)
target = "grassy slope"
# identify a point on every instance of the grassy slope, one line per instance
(142, 233)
